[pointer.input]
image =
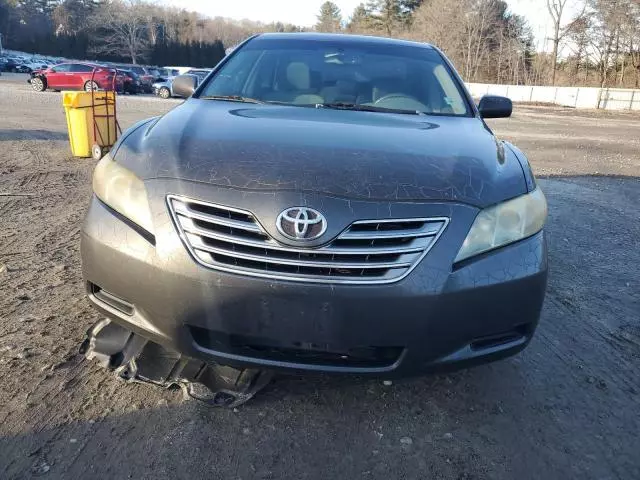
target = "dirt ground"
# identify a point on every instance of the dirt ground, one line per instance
(567, 407)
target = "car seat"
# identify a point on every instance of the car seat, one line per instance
(296, 87)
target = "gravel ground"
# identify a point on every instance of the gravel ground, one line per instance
(567, 407)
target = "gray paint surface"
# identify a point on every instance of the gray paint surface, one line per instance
(352, 155)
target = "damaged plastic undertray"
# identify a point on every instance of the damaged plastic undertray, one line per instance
(134, 358)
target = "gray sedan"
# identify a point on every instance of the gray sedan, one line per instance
(320, 203)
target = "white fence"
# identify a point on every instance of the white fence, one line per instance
(578, 97)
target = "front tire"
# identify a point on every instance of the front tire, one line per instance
(91, 86)
(38, 84)
(164, 93)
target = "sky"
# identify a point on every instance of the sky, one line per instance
(303, 12)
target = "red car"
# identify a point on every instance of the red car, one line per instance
(75, 76)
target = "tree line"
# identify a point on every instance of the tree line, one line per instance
(131, 31)
(598, 44)
(593, 42)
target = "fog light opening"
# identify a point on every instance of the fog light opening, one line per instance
(110, 299)
(516, 335)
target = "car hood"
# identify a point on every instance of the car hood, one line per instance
(348, 154)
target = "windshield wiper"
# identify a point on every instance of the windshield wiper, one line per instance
(366, 108)
(231, 98)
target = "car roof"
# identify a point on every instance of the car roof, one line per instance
(342, 38)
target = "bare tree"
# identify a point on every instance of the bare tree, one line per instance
(612, 19)
(556, 9)
(122, 28)
(578, 34)
(634, 42)
(486, 42)
(437, 22)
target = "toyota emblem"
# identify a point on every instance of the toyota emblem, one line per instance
(301, 223)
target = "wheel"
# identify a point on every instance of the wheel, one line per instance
(97, 152)
(90, 86)
(38, 84)
(164, 92)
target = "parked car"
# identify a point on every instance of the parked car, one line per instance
(75, 76)
(29, 67)
(157, 75)
(131, 82)
(9, 64)
(145, 76)
(180, 70)
(167, 74)
(321, 203)
(165, 89)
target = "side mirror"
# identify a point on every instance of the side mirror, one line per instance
(184, 85)
(493, 106)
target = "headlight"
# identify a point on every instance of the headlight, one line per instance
(123, 191)
(505, 223)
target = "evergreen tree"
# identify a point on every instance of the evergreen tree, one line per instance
(409, 6)
(386, 15)
(407, 9)
(329, 19)
(360, 19)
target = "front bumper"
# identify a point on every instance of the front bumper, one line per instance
(436, 318)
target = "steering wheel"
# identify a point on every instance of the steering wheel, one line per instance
(400, 101)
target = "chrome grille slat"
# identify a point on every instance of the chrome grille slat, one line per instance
(301, 262)
(384, 234)
(188, 226)
(184, 210)
(366, 252)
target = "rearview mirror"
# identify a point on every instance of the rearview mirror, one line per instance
(184, 85)
(493, 106)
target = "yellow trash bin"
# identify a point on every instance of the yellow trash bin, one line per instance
(80, 122)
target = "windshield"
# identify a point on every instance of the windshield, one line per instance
(309, 73)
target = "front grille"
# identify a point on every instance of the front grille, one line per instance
(368, 251)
